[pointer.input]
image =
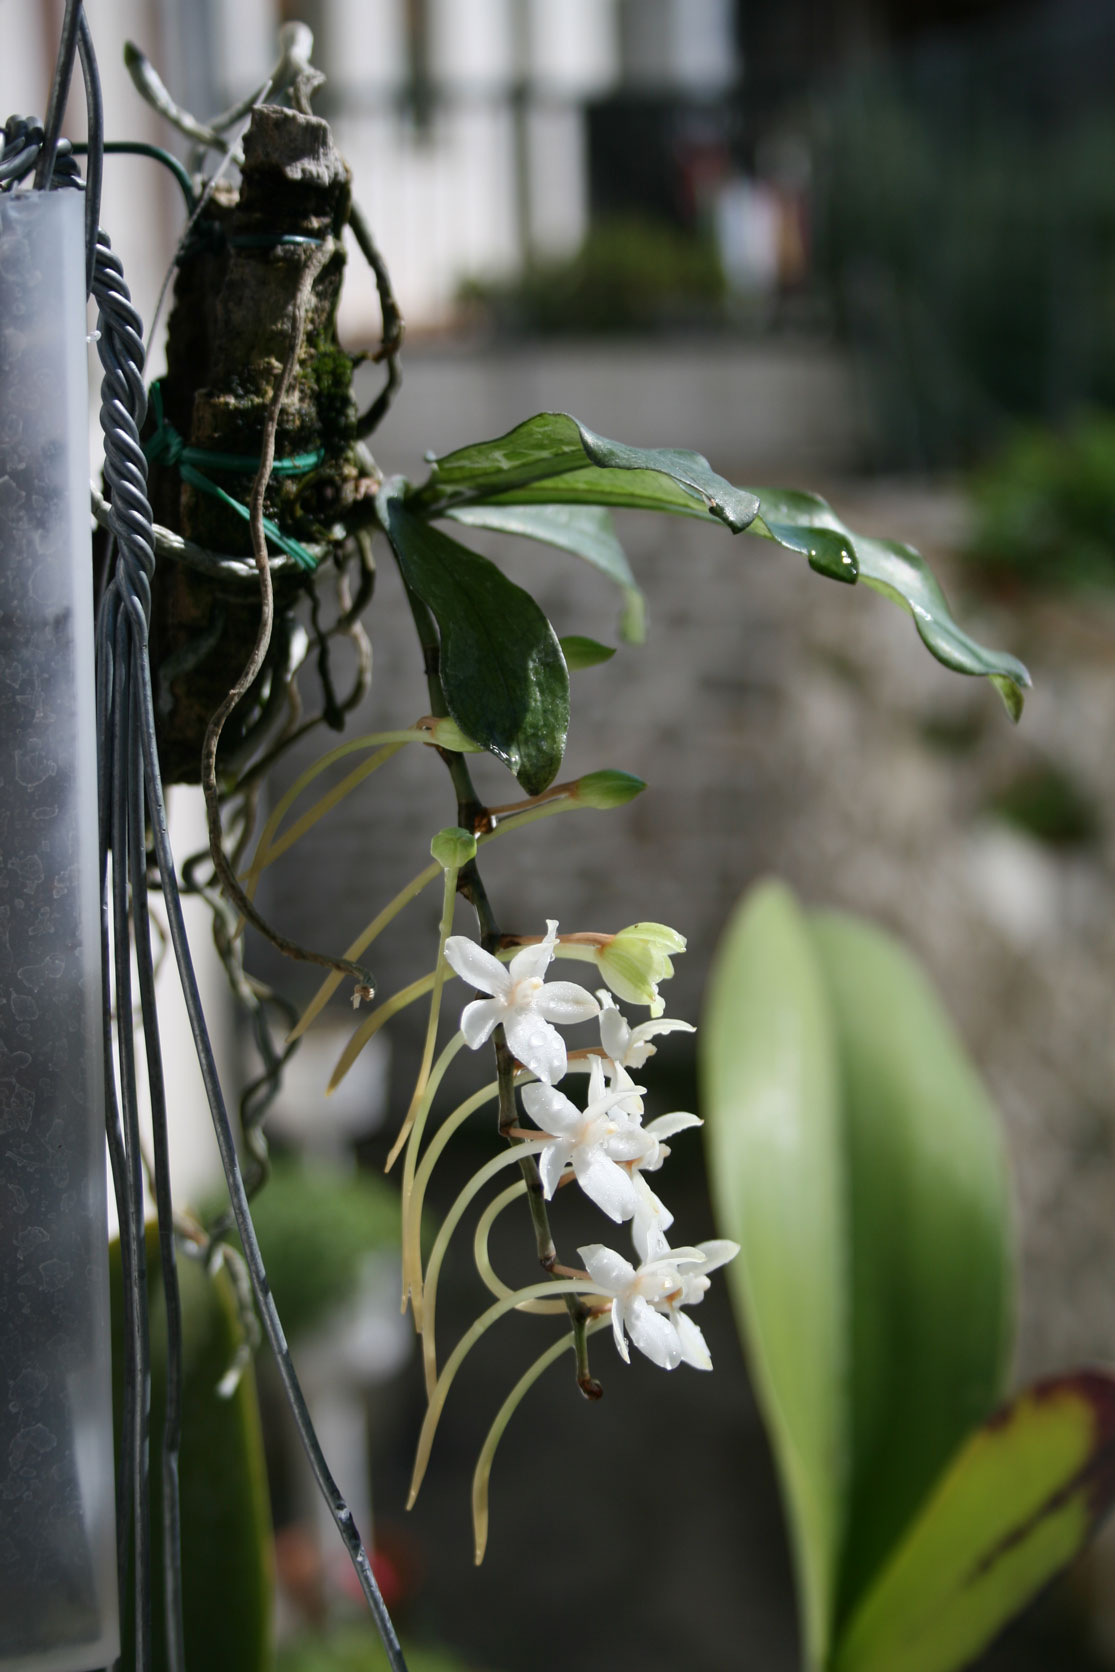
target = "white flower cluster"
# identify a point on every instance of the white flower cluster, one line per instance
(605, 1146)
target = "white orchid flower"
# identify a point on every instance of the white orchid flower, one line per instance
(521, 1002)
(647, 1302)
(630, 1046)
(605, 1142)
(596, 1140)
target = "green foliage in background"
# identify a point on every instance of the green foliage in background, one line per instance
(969, 247)
(631, 274)
(1044, 506)
(315, 1224)
(227, 1562)
(855, 1157)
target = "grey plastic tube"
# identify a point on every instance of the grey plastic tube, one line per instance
(58, 1589)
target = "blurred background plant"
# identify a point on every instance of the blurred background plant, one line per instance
(631, 274)
(1043, 507)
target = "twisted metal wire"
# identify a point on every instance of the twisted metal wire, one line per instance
(128, 596)
(128, 781)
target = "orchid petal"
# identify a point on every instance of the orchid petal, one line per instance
(607, 1269)
(653, 1333)
(551, 1110)
(667, 1125)
(468, 960)
(532, 962)
(629, 1143)
(718, 1252)
(617, 1330)
(614, 1031)
(694, 1349)
(565, 1002)
(604, 1183)
(551, 1165)
(536, 1044)
(651, 1222)
(478, 1019)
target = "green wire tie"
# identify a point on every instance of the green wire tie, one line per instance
(165, 446)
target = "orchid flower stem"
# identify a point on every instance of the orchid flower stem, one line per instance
(499, 1309)
(437, 1253)
(483, 1470)
(412, 1243)
(440, 970)
(492, 1283)
(510, 820)
(412, 1251)
(268, 849)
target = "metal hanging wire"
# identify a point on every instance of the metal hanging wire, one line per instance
(132, 803)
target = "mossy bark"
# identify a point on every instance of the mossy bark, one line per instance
(229, 336)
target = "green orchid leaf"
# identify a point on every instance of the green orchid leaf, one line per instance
(1017, 1503)
(854, 1156)
(585, 530)
(771, 1103)
(580, 652)
(553, 446)
(901, 573)
(227, 1560)
(805, 523)
(502, 669)
(552, 462)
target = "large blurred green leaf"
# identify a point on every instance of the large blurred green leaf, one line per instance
(502, 669)
(855, 1157)
(771, 1102)
(931, 1249)
(227, 1561)
(552, 447)
(1017, 1503)
(585, 530)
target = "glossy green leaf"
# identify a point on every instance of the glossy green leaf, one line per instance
(1018, 1502)
(805, 523)
(581, 652)
(553, 446)
(585, 530)
(855, 1157)
(771, 1103)
(502, 669)
(553, 461)
(227, 1560)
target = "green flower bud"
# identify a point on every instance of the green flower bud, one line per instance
(453, 847)
(606, 789)
(637, 959)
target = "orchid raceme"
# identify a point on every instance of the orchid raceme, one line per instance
(647, 1302)
(521, 1002)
